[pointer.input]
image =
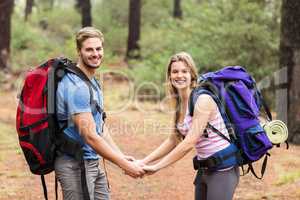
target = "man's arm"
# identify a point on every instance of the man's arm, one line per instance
(112, 144)
(87, 128)
(110, 141)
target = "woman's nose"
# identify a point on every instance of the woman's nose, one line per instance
(180, 74)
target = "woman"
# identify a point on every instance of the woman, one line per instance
(189, 133)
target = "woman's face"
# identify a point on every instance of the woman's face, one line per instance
(180, 75)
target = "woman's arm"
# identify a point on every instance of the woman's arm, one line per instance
(204, 107)
(167, 146)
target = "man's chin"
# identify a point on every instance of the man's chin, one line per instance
(95, 66)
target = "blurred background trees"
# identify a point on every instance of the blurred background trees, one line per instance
(84, 8)
(6, 10)
(177, 13)
(134, 29)
(290, 59)
(28, 8)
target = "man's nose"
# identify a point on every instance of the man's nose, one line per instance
(94, 52)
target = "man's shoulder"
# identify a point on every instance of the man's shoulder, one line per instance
(72, 86)
(72, 80)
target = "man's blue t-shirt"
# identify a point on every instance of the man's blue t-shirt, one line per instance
(73, 97)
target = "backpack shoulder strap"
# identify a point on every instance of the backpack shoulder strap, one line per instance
(71, 68)
(219, 132)
(204, 89)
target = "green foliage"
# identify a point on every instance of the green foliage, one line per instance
(29, 46)
(46, 35)
(111, 17)
(149, 75)
(215, 33)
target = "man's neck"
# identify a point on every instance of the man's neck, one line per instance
(89, 72)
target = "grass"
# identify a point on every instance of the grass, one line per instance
(8, 140)
(288, 177)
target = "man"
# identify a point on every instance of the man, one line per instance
(85, 125)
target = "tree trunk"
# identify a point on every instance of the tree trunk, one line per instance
(28, 8)
(51, 2)
(6, 10)
(177, 9)
(134, 26)
(84, 6)
(290, 59)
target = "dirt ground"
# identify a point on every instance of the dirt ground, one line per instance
(138, 133)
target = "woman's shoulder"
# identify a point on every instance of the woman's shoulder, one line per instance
(205, 102)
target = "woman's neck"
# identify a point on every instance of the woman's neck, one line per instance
(184, 94)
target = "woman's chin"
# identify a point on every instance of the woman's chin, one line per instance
(181, 87)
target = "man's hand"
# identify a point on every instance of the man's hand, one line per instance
(134, 170)
(129, 158)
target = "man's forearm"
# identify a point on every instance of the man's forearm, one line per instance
(105, 150)
(87, 129)
(110, 141)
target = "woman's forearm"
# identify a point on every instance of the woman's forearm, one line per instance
(162, 150)
(176, 154)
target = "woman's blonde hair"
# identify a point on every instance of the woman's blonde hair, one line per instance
(171, 90)
(85, 33)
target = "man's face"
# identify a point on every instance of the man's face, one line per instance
(91, 52)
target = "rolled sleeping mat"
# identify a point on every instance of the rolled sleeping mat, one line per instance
(277, 131)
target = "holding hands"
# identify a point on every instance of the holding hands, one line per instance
(138, 168)
(133, 169)
(148, 169)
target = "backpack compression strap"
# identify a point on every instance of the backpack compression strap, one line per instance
(263, 102)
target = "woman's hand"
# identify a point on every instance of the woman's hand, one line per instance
(150, 169)
(140, 163)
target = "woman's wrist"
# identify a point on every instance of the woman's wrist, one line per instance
(157, 167)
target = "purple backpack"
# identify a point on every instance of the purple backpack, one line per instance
(239, 102)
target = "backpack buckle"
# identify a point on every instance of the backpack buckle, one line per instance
(208, 163)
